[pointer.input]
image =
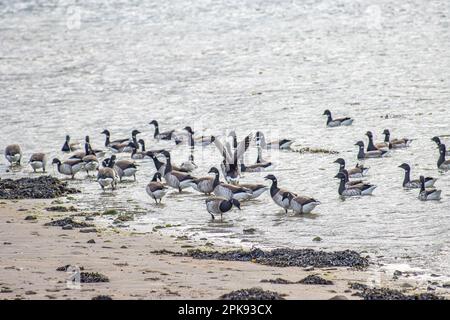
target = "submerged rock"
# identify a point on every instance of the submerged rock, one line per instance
(252, 294)
(44, 187)
(287, 257)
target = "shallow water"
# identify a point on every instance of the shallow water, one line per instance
(72, 68)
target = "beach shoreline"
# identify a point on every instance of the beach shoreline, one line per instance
(31, 253)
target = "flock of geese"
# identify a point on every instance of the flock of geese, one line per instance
(223, 195)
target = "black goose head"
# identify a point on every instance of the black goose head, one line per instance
(340, 175)
(360, 144)
(188, 129)
(327, 113)
(56, 161)
(405, 167)
(87, 139)
(154, 122)
(369, 134)
(156, 177)
(437, 140)
(340, 161)
(67, 138)
(236, 203)
(270, 177)
(134, 133)
(386, 132)
(106, 133)
(141, 142)
(213, 138)
(214, 170)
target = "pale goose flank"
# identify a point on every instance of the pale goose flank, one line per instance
(282, 144)
(369, 154)
(300, 204)
(69, 167)
(155, 189)
(414, 184)
(337, 122)
(438, 142)
(135, 154)
(277, 194)
(91, 163)
(256, 189)
(425, 195)
(107, 176)
(443, 163)
(70, 147)
(358, 190)
(228, 191)
(13, 154)
(219, 205)
(176, 179)
(358, 172)
(125, 168)
(38, 161)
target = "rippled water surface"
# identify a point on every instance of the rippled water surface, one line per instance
(69, 67)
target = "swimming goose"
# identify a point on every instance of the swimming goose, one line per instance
(135, 154)
(282, 144)
(202, 140)
(369, 154)
(277, 193)
(129, 148)
(111, 144)
(438, 142)
(167, 135)
(425, 195)
(107, 176)
(176, 179)
(155, 189)
(38, 161)
(69, 167)
(13, 154)
(300, 204)
(256, 189)
(70, 147)
(230, 167)
(219, 205)
(228, 191)
(161, 166)
(97, 152)
(372, 147)
(358, 190)
(125, 168)
(414, 184)
(395, 143)
(351, 184)
(358, 172)
(442, 163)
(257, 167)
(189, 165)
(337, 122)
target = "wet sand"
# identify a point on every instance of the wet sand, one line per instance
(31, 253)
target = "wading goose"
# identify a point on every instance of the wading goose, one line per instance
(372, 147)
(228, 191)
(176, 179)
(204, 185)
(414, 184)
(300, 204)
(91, 163)
(337, 122)
(230, 166)
(219, 205)
(358, 190)
(167, 135)
(97, 152)
(107, 176)
(70, 147)
(116, 145)
(155, 189)
(81, 154)
(259, 166)
(351, 184)
(358, 172)
(442, 163)
(135, 154)
(256, 189)
(282, 144)
(201, 140)
(438, 142)
(189, 165)
(369, 154)
(13, 154)
(277, 193)
(395, 143)
(129, 148)
(69, 167)
(38, 161)
(425, 194)
(125, 168)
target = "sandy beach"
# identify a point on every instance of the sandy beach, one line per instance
(31, 253)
